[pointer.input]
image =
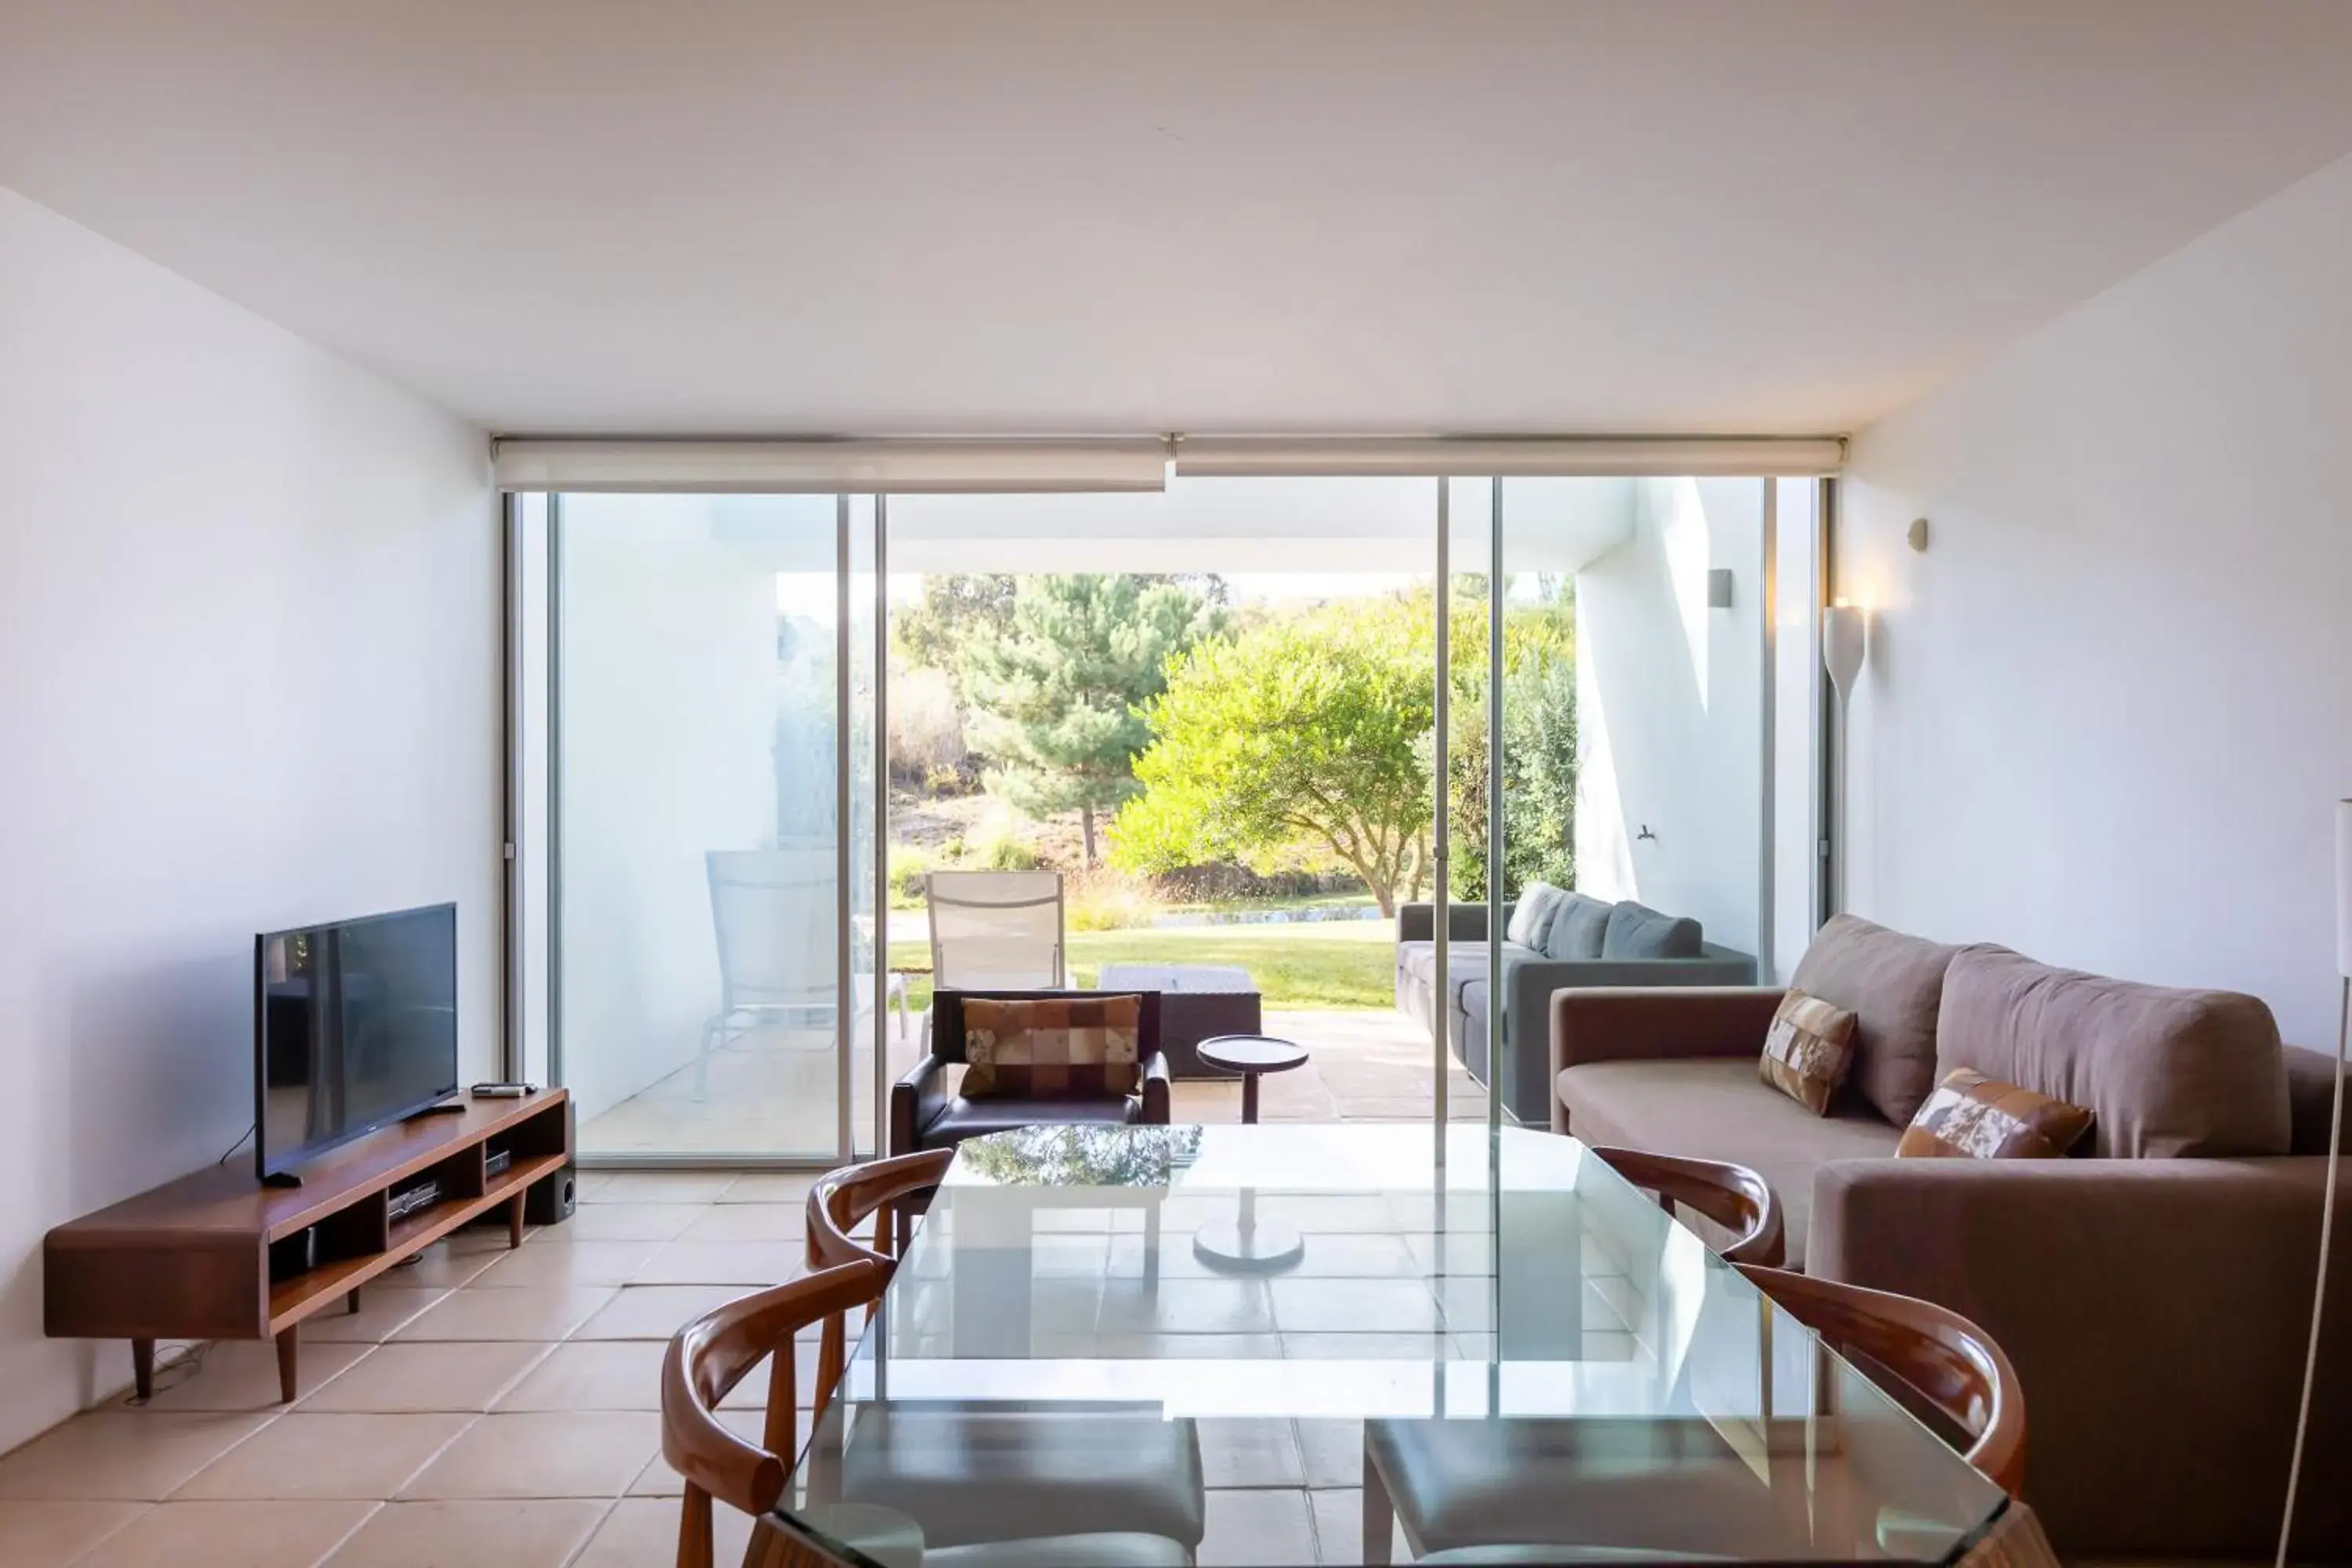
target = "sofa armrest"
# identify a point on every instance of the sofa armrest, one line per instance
(1157, 1103)
(2156, 1312)
(1655, 1023)
(1464, 922)
(915, 1102)
(1533, 980)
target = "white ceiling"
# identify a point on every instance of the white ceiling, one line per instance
(1076, 216)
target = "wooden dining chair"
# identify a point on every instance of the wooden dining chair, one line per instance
(841, 1202)
(1733, 1196)
(1953, 1363)
(713, 1353)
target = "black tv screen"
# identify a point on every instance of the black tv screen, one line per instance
(355, 1027)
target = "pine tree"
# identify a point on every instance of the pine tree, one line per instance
(1057, 695)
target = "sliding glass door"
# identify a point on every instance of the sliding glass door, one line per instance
(710, 659)
(1318, 749)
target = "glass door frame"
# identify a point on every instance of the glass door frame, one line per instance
(520, 853)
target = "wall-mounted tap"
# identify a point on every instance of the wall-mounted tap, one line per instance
(1645, 833)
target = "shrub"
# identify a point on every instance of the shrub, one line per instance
(1103, 899)
(927, 731)
(1002, 851)
(907, 866)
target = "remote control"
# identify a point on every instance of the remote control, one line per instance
(500, 1090)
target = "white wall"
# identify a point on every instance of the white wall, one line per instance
(1669, 709)
(249, 679)
(2106, 716)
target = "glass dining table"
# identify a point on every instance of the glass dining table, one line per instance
(1484, 1346)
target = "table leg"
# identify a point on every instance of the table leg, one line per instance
(288, 1383)
(514, 1220)
(142, 1368)
(1379, 1514)
(1249, 1097)
(352, 1303)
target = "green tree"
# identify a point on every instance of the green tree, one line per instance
(1538, 738)
(1539, 782)
(956, 610)
(1303, 735)
(1057, 695)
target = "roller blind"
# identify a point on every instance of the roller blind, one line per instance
(1778, 457)
(826, 467)
(982, 466)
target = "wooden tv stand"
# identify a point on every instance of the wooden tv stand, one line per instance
(190, 1259)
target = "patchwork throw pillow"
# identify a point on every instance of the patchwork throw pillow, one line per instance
(1807, 1049)
(1972, 1117)
(1057, 1047)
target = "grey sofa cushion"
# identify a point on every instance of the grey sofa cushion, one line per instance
(1892, 983)
(1718, 1109)
(1578, 927)
(1531, 916)
(1636, 930)
(2165, 1072)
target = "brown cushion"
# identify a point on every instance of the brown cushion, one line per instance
(1713, 1109)
(1081, 1048)
(2165, 1072)
(1807, 1051)
(1893, 985)
(1972, 1117)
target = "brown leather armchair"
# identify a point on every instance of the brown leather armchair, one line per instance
(925, 1115)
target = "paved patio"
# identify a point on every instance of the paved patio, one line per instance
(773, 1093)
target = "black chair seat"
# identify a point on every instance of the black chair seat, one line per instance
(992, 1473)
(960, 1119)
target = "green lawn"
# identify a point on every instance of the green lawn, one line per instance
(1331, 964)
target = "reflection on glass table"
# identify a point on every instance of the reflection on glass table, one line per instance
(1582, 1369)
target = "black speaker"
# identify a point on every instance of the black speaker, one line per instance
(295, 1255)
(552, 1198)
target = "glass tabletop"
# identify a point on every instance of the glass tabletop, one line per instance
(1509, 1346)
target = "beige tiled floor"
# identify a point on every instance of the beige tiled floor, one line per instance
(499, 1408)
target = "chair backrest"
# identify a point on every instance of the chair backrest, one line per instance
(707, 1358)
(1734, 1196)
(844, 1199)
(995, 928)
(778, 926)
(947, 1017)
(1948, 1360)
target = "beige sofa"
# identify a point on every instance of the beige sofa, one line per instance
(2154, 1292)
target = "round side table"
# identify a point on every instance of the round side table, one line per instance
(1250, 1056)
(1242, 1246)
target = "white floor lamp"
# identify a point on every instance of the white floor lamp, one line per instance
(2334, 1145)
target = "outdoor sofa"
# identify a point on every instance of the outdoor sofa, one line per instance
(1552, 940)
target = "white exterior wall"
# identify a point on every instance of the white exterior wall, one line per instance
(1670, 708)
(248, 679)
(2103, 718)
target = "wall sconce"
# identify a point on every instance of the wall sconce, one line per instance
(1844, 640)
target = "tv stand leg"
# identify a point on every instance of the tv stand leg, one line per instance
(352, 1303)
(288, 1383)
(514, 1221)
(142, 1369)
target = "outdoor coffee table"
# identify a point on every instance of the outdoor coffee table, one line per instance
(1196, 1001)
(1242, 1244)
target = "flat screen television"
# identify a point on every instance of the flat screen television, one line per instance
(355, 1027)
